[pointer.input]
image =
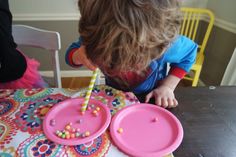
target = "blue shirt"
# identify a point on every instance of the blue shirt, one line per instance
(181, 54)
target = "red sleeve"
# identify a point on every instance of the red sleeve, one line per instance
(178, 72)
(70, 61)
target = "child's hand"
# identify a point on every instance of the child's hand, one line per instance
(164, 96)
(79, 57)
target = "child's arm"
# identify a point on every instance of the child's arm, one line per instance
(76, 56)
(164, 93)
(181, 55)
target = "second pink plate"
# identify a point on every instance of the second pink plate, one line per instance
(67, 112)
(146, 130)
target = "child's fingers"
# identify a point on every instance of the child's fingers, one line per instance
(175, 102)
(158, 101)
(170, 103)
(164, 102)
(148, 97)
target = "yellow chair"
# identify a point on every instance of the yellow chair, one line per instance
(190, 28)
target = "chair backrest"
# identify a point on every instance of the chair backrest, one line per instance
(190, 25)
(48, 40)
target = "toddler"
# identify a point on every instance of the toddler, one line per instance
(131, 41)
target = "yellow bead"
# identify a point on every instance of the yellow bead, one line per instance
(120, 130)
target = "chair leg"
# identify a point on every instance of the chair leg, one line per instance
(57, 73)
(196, 77)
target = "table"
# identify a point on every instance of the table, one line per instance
(21, 116)
(208, 116)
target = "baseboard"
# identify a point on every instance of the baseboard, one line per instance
(69, 73)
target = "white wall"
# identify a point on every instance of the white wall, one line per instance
(61, 9)
(195, 3)
(44, 9)
(224, 9)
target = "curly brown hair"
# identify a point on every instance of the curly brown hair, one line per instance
(125, 35)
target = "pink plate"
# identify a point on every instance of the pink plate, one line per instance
(148, 130)
(67, 112)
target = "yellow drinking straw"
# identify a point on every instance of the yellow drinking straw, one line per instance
(90, 88)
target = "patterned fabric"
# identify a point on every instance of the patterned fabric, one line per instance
(8, 106)
(31, 94)
(7, 131)
(39, 146)
(29, 118)
(22, 112)
(21, 118)
(97, 147)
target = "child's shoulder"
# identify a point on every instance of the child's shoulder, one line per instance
(182, 40)
(181, 43)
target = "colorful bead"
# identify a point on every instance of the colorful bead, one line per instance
(120, 130)
(80, 121)
(73, 130)
(53, 122)
(155, 119)
(68, 136)
(59, 134)
(68, 127)
(77, 134)
(98, 108)
(67, 132)
(72, 135)
(87, 133)
(82, 112)
(63, 136)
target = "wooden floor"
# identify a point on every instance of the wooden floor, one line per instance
(75, 82)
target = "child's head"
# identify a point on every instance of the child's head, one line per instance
(125, 35)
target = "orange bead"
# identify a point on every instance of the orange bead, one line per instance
(98, 108)
(72, 135)
(68, 127)
(87, 133)
(120, 130)
(68, 136)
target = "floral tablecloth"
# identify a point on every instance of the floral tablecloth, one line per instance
(21, 116)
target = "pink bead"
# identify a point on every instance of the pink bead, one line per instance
(53, 122)
(155, 119)
(82, 112)
(73, 130)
